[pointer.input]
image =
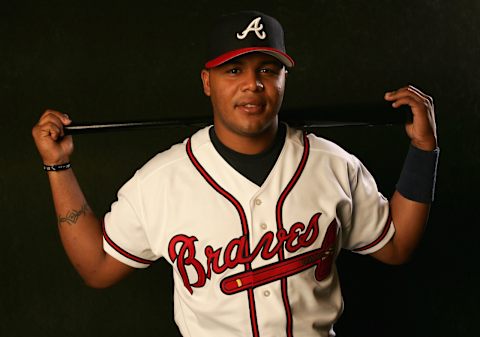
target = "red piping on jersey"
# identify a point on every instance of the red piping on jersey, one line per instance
(243, 219)
(122, 251)
(279, 216)
(380, 238)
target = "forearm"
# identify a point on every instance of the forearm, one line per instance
(79, 229)
(410, 205)
(409, 218)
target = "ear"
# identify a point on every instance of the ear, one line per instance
(205, 74)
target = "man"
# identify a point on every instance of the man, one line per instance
(250, 213)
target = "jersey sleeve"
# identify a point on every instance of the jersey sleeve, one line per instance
(124, 235)
(370, 226)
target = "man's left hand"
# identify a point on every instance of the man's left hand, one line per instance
(422, 130)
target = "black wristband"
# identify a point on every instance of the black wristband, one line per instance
(418, 176)
(60, 167)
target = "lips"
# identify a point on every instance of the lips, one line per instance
(251, 106)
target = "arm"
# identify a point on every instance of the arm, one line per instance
(79, 229)
(410, 217)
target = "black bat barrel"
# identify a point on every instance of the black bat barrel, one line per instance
(335, 116)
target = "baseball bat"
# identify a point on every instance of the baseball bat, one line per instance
(321, 117)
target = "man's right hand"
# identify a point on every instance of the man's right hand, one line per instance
(54, 147)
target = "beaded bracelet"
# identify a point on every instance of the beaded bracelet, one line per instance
(60, 167)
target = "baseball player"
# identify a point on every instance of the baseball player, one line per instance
(250, 213)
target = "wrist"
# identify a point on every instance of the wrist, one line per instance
(418, 175)
(429, 145)
(59, 167)
(56, 161)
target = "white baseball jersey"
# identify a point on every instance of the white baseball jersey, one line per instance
(250, 260)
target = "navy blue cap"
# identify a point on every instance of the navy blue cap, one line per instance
(245, 32)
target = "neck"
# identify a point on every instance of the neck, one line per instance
(248, 143)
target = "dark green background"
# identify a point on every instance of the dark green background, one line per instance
(114, 60)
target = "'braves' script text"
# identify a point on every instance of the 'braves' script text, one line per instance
(182, 251)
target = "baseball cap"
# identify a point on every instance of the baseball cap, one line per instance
(245, 32)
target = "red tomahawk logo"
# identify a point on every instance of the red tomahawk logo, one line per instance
(322, 258)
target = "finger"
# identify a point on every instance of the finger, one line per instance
(62, 117)
(51, 125)
(408, 91)
(56, 118)
(420, 93)
(415, 101)
(412, 101)
(406, 94)
(51, 130)
(399, 93)
(424, 102)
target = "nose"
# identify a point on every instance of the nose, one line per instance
(252, 82)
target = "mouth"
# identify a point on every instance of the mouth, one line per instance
(251, 106)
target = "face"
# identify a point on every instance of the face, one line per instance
(246, 95)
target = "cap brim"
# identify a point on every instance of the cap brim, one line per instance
(281, 56)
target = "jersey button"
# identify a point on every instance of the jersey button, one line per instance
(266, 293)
(263, 226)
(258, 202)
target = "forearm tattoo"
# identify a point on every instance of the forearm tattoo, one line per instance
(72, 216)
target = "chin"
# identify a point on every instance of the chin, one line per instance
(257, 129)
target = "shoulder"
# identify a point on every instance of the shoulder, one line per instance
(321, 147)
(175, 159)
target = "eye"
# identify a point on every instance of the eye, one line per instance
(269, 70)
(233, 71)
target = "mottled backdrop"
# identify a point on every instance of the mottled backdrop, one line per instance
(124, 60)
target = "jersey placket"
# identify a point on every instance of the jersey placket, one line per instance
(266, 215)
(267, 296)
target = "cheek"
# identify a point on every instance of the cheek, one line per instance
(222, 93)
(216, 96)
(220, 100)
(281, 85)
(278, 89)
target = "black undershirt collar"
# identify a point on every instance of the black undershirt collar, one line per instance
(255, 167)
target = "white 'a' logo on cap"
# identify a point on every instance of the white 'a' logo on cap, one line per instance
(254, 26)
